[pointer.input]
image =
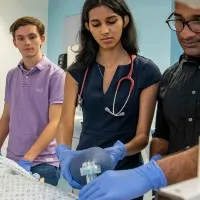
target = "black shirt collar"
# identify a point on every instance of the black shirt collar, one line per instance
(186, 58)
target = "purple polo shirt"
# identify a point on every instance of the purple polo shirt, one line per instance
(29, 95)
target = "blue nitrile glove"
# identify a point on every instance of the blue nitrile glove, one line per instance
(36, 176)
(26, 164)
(124, 184)
(116, 153)
(65, 155)
(156, 157)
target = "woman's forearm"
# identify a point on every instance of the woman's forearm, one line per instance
(137, 144)
(64, 134)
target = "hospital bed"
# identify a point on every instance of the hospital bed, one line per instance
(17, 184)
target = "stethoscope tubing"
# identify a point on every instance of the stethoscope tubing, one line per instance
(128, 77)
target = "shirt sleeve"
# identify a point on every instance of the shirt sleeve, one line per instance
(75, 75)
(152, 74)
(7, 87)
(162, 129)
(78, 77)
(57, 83)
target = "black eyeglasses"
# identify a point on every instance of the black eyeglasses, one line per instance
(179, 24)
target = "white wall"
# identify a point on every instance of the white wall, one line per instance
(10, 10)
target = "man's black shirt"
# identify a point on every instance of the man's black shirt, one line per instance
(178, 109)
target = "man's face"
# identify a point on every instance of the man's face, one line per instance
(189, 40)
(28, 41)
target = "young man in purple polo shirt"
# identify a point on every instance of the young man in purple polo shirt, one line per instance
(33, 102)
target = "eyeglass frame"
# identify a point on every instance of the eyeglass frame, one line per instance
(183, 23)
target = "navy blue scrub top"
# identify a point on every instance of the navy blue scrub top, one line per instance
(103, 129)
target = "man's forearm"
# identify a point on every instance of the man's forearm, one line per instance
(4, 129)
(181, 166)
(43, 141)
(158, 146)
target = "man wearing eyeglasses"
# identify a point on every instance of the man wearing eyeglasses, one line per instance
(177, 124)
(178, 110)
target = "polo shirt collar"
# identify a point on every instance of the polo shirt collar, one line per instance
(40, 65)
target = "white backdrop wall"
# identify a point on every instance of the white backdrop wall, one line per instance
(10, 10)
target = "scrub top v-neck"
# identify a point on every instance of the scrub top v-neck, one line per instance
(99, 127)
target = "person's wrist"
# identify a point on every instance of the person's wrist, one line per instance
(156, 157)
(156, 175)
(61, 148)
(24, 163)
(28, 157)
(122, 148)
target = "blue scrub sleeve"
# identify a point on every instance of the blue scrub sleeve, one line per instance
(75, 75)
(78, 76)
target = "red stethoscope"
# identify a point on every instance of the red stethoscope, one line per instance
(120, 113)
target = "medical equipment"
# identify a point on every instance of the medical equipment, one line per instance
(88, 164)
(17, 184)
(90, 169)
(129, 78)
(187, 190)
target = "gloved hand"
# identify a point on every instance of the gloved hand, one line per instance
(65, 155)
(116, 153)
(124, 184)
(36, 176)
(156, 157)
(26, 164)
